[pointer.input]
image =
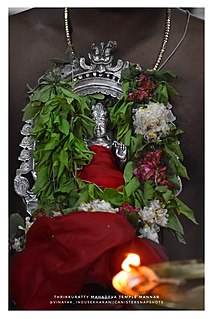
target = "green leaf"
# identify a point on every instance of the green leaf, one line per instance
(52, 143)
(83, 197)
(42, 94)
(69, 100)
(112, 196)
(64, 126)
(161, 189)
(139, 196)
(174, 224)
(97, 96)
(171, 91)
(181, 170)
(43, 156)
(148, 191)
(66, 187)
(119, 109)
(44, 117)
(60, 170)
(128, 171)
(63, 157)
(179, 167)
(88, 124)
(31, 110)
(132, 186)
(132, 218)
(174, 180)
(175, 147)
(47, 191)
(137, 203)
(165, 75)
(42, 178)
(122, 129)
(72, 202)
(136, 143)
(15, 221)
(91, 191)
(167, 195)
(127, 137)
(56, 120)
(162, 94)
(185, 210)
(126, 74)
(125, 88)
(130, 73)
(51, 105)
(69, 93)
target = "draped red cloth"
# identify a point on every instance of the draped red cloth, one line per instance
(67, 252)
(103, 169)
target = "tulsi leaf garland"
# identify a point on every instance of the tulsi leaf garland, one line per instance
(141, 119)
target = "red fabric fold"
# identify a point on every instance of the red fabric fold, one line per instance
(102, 170)
(65, 253)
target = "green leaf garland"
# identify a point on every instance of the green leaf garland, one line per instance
(62, 120)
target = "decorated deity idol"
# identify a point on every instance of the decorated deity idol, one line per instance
(100, 174)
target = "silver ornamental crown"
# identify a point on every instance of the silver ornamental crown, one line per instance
(100, 75)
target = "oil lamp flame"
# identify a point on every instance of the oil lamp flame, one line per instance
(137, 280)
(132, 259)
(121, 280)
(134, 279)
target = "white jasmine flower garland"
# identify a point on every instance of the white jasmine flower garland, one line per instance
(97, 205)
(152, 120)
(153, 216)
(150, 232)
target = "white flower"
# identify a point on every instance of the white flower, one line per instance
(18, 244)
(161, 217)
(56, 213)
(97, 206)
(149, 232)
(155, 204)
(153, 216)
(152, 121)
(147, 214)
(154, 213)
(85, 207)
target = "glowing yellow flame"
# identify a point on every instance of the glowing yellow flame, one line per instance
(132, 259)
(120, 281)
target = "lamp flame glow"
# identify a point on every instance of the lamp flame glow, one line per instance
(121, 280)
(134, 280)
(132, 259)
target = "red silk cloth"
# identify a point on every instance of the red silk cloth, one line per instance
(65, 253)
(102, 170)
